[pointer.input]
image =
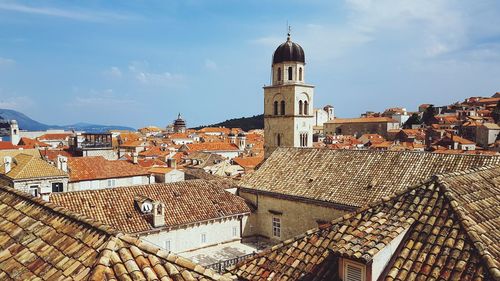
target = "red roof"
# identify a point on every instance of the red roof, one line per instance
(212, 146)
(92, 168)
(7, 145)
(58, 136)
(32, 143)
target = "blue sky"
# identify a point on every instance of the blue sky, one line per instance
(139, 63)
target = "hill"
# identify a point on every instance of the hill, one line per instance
(245, 123)
(26, 123)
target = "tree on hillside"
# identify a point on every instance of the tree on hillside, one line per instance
(496, 113)
(428, 115)
(413, 120)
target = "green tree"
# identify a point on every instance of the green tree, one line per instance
(413, 120)
(428, 115)
(496, 113)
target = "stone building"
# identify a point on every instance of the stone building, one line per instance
(288, 101)
(360, 126)
(331, 183)
(177, 217)
(179, 125)
(487, 134)
(445, 228)
(42, 241)
(31, 174)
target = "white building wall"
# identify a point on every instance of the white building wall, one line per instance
(107, 183)
(227, 154)
(190, 238)
(44, 185)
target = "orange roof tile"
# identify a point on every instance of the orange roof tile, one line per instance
(362, 120)
(212, 146)
(92, 168)
(249, 162)
(54, 136)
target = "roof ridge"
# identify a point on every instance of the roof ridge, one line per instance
(464, 219)
(332, 222)
(109, 230)
(21, 169)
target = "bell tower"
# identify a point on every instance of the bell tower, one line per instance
(288, 101)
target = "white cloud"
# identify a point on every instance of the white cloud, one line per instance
(101, 98)
(210, 64)
(11, 101)
(140, 71)
(114, 72)
(6, 61)
(81, 15)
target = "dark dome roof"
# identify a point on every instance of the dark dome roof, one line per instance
(241, 134)
(179, 122)
(231, 134)
(289, 51)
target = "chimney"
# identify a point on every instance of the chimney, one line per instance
(158, 214)
(172, 163)
(7, 160)
(134, 157)
(62, 163)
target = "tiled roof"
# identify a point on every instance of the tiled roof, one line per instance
(92, 168)
(212, 146)
(14, 152)
(452, 225)
(57, 136)
(51, 154)
(352, 177)
(39, 241)
(32, 143)
(7, 145)
(215, 130)
(249, 162)
(26, 166)
(185, 202)
(362, 120)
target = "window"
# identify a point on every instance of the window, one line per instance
(276, 227)
(203, 238)
(279, 73)
(300, 107)
(290, 71)
(278, 140)
(282, 107)
(303, 139)
(168, 245)
(57, 187)
(111, 183)
(300, 73)
(235, 231)
(306, 108)
(34, 190)
(276, 108)
(353, 272)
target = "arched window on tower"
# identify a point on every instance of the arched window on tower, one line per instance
(300, 107)
(276, 108)
(306, 108)
(279, 73)
(290, 72)
(282, 107)
(278, 140)
(300, 73)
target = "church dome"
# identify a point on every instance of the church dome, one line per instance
(179, 122)
(289, 51)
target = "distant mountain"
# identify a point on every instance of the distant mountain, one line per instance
(26, 123)
(245, 123)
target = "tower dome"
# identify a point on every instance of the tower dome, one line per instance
(179, 124)
(289, 51)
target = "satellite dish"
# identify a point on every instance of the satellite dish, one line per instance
(146, 207)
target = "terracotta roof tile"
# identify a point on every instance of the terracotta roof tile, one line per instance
(362, 120)
(42, 241)
(91, 168)
(212, 146)
(352, 177)
(185, 202)
(26, 166)
(452, 234)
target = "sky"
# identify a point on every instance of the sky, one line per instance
(139, 63)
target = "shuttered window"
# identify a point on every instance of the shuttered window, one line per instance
(353, 272)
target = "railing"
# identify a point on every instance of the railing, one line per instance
(221, 266)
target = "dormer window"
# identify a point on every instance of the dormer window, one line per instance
(353, 271)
